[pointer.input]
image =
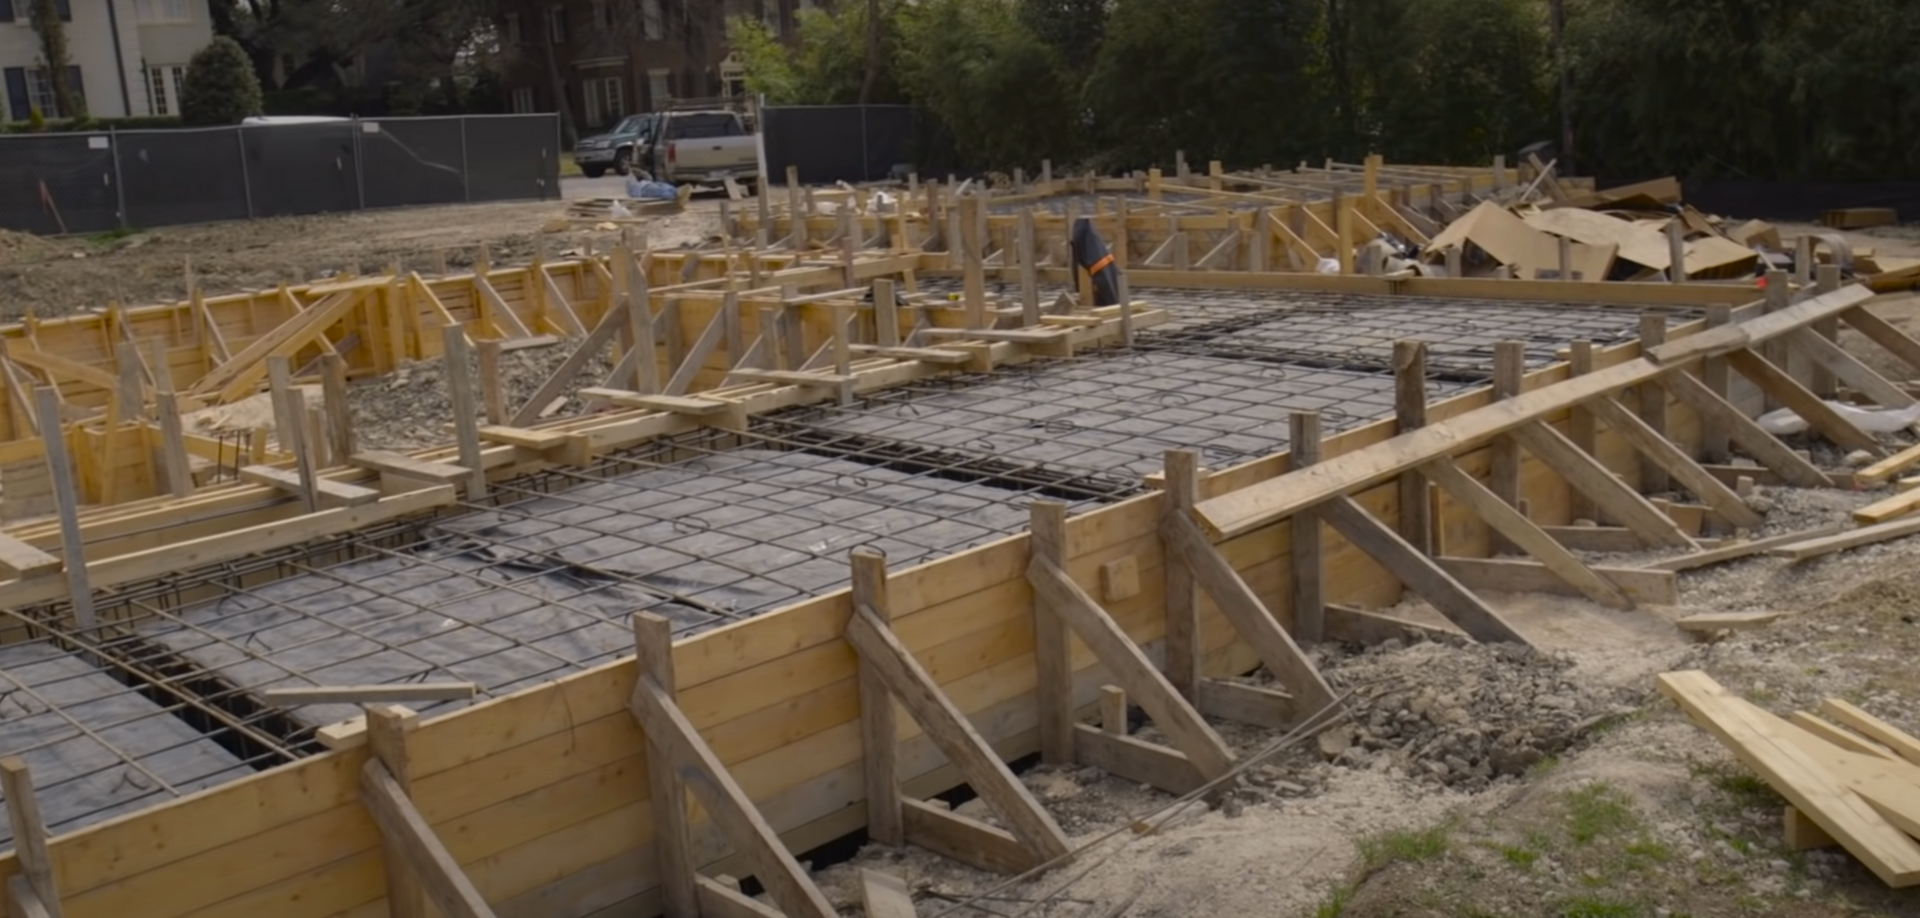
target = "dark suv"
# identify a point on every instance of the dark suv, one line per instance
(617, 150)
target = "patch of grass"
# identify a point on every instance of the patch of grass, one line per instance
(1335, 903)
(1522, 858)
(569, 168)
(1596, 907)
(1406, 845)
(113, 235)
(1646, 852)
(1598, 809)
(1543, 766)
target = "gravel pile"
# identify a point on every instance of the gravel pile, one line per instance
(411, 409)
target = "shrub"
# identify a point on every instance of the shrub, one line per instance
(221, 87)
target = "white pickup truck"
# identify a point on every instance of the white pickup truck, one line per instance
(704, 147)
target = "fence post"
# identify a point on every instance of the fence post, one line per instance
(466, 175)
(866, 149)
(359, 164)
(246, 181)
(559, 142)
(119, 180)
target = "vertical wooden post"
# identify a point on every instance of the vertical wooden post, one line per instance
(1259, 243)
(1029, 271)
(173, 440)
(387, 729)
(639, 305)
(29, 840)
(1802, 261)
(1343, 228)
(1509, 368)
(1309, 597)
(333, 391)
(1779, 296)
(1126, 307)
(879, 726)
(1714, 437)
(460, 391)
(1500, 172)
(53, 436)
(672, 832)
(1453, 256)
(886, 314)
(1410, 413)
(1823, 382)
(796, 210)
(974, 281)
(772, 342)
(1566, 259)
(1182, 471)
(1580, 427)
(842, 346)
(492, 394)
(1653, 404)
(1051, 647)
(1676, 251)
(292, 432)
(1153, 184)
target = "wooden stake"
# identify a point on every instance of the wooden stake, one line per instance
(1047, 543)
(1822, 380)
(886, 314)
(1676, 252)
(387, 729)
(646, 363)
(879, 728)
(973, 282)
(1410, 413)
(333, 390)
(460, 391)
(1029, 272)
(1580, 427)
(1509, 370)
(1653, 403)
(1717, 379)
(292, 432)
(673, 836)
(1182, 472)
(492, 394)
(29, 840)
(1309, 597)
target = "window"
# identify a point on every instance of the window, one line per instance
(28, 89)
(659, 89)
(653, 20)
(513, 28)
(558, 28)
(595, 115)
(163, 89)
(523, 101)
(614, 91)
(603, 14)
(17, 10)
(163, 11)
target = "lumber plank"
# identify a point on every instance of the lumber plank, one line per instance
(1789, 465)
(440, 876)
(1189, 732)
(538, 440)
(1269, 501)
(1242, 607)
(1585, 474)
(1709, 622)
(23, 902)
(1873, 728)
(1418, 571)
(879, 727)
(1884, 333)
(1823, 797)
(654, 691)
(885, 895)
(725, 900)
(29, 835)
(1359, 626)
(1889, 467)
(1519, 576)
(1888, 785)
(388, 727)
(1248, 704)
(1052, 646)
(941, 356)
(1853, 538)
(947, 725)
(1684, 470)
(1136, 760)
(238, 377)
(21, 560)
(1604, 539)
(1888, 508)
(335, 493)
(677, 404)
(1521, 531)
(695, 764)
(603, 332)
(1789, 392)
(1181, 471)
(54, 364)
(1727, 339)
(1305, 541)
(1838, 736)
(1736, 550)
(1803, 834)
(371, 694)
(968, 841)
(1848, 368)
(409, 467)
(791, 377)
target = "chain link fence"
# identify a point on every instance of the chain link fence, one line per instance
(841, 143)
(99, 182)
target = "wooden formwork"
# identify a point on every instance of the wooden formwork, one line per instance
(545, 802)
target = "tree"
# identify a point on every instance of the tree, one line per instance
(767, 64)
(45, 15)
(991, 82)
(221, 87)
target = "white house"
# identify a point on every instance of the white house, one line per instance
(129, 56)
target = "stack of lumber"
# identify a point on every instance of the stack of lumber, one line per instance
(1852, 779)
(602, 209)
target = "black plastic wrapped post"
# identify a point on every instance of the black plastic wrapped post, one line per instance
(1090, 255)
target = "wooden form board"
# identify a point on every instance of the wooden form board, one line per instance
(541, 796)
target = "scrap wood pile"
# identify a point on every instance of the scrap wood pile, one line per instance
(1852, 779)
(1626, 234)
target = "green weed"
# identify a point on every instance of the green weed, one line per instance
(1522, 858)
(1596, 810)
(1407, 845)
(1595, 907)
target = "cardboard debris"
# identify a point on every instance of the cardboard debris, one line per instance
(1509, 241)
(1654, 195)
(1859, 217)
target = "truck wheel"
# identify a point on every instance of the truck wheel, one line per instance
(621, 165)
(593, 171)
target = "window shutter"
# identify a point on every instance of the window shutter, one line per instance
(6, 10)
(66, 9)
(19, 104)
(78, 89)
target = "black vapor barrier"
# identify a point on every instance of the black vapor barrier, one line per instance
(90, 183)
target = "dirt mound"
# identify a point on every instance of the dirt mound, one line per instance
(26, 248)
(1464, 716)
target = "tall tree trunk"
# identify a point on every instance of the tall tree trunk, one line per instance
(873, 52)
(563, 102)
(53, 51)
